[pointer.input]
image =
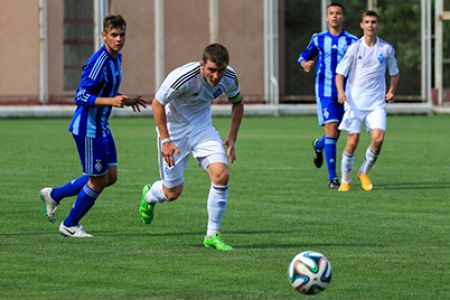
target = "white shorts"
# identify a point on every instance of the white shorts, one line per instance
(206, 146)
(373, 119)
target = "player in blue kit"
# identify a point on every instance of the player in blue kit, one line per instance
(97, 93)
(330, 47)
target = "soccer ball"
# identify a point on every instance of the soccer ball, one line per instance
(309, 272)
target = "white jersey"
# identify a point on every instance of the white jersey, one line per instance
(187, 98)
(365, 69)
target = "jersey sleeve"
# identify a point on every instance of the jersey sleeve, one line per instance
(90, 84)
(169, 89)
(345, 64)
(233, 90)
(310, 52)
(392, 63)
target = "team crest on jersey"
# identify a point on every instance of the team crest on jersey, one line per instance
(217, 92)
(380, 58)
(98, 165)
(166, 170)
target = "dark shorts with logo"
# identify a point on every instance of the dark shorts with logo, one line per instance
(96, 154)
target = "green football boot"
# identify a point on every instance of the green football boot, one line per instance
(146, 209)
(217, 243)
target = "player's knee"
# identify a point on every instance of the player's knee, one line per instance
(376, 145)
(220, 177)
(172, 196)
(377, 141)
(112, 180)
(98, 185)
(351, 146)
(173, 193)
(111, 176)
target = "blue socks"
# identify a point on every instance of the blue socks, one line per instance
(320, 143)
(330, 155)
(71, 188)
(85, 200)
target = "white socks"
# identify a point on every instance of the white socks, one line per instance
(156, 193)
(371, 157)
(217, 201)
(348, 160)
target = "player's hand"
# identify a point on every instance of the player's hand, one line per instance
(167, 151)
(230, 150)
(342, 98)
(135, 103)
(390, 97)
(307, 65)
(118, 101)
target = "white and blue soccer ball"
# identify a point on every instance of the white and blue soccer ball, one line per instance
(310, 272)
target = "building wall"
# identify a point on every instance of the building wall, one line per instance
(138, 53)
(19, 50)
(186, 35)
(187, 31)
(242, 31)
(56, 50)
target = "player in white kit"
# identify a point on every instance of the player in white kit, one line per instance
(364, 65)
(182, 112)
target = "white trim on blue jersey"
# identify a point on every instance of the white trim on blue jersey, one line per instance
(330, 50)
(101, 77)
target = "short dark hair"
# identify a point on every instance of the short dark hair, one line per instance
(336, 4)
(216, 53)
(113, 21)
(370, 13)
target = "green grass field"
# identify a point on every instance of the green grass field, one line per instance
(392, 243)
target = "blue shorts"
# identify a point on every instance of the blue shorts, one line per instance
(96, 154)
(329, 110)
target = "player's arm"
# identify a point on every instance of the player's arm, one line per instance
(116, 101)
(91, 84)
(306, 58)
(87, 95)
(167, 146)
(89, 88)
(237, 113)
(307, 65)
(394, 74)
(342, 71)
(340, 88)
(393, 83)
(136, 103)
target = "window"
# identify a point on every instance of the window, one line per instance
(78, 39)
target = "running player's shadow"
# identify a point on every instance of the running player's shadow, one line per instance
(296, 245)
(305, 245)
(421, 185)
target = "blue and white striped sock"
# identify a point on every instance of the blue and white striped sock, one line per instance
(71, 188)
(85, 200)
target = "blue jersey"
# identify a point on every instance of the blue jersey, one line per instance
(330, 50)
(101, 77)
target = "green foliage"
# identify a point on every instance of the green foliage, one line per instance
(301, 20)
(400, 26)
(391, 243)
